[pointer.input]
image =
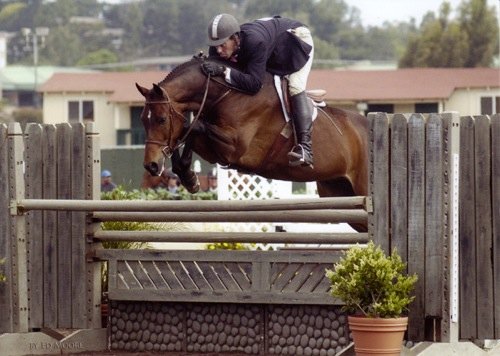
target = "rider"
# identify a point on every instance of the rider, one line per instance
(278, 45)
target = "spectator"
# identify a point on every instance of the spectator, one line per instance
(212, 181)
(172, 182)
(107, 184)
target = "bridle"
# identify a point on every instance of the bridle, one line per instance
(166, 148)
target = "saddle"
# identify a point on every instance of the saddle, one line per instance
(317, 96)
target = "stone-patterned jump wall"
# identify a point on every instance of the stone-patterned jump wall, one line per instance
(254, 329)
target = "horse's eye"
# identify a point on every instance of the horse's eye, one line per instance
(161, 120)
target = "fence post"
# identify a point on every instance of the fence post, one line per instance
(5, 288)
(450, 277)
(93, 190)
(18, 261)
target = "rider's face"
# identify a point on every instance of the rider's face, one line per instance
(227, 49)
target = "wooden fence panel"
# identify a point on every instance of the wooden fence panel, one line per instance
(434, 216)
(276, 277)
(399, 185)
(34, 220)
(379, 179)
(49, 178)
(78, 227)
(495, 185)
(467, 244)
(482, 170)
(64, 249)
(5, 269)
(17, 230)
(416, 220)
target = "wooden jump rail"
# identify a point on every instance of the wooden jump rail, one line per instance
(324, 210)
(356, 202)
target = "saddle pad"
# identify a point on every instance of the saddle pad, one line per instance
(277, 85)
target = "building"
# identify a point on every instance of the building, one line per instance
(111, 100)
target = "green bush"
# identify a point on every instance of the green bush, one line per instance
(159, 194)
(227, 246)
(2, 276)
(371, 283)
(27, 115)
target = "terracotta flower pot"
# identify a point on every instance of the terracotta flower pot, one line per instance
(377, 336)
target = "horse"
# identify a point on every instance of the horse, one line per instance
(247, 133)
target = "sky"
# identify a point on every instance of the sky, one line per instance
(375, 12)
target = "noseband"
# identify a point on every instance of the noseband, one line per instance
(166, 149)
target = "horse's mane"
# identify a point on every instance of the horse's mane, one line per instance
(197, 59)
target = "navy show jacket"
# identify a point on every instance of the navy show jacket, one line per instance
(267, 45)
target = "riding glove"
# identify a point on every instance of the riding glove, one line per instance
(213, 69)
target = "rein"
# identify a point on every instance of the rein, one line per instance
(166, 149)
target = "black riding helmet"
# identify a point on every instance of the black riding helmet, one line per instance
(221, 28)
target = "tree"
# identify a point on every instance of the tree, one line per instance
(480, 24)
(470, 41)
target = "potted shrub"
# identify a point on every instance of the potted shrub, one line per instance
(376, 292)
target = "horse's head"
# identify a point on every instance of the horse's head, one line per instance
(163, 122)
(164, 114)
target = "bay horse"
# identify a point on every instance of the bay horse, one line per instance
(244, 132)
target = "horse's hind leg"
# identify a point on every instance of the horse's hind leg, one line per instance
(339, 187)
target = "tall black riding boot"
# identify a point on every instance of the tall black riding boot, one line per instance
(301, 154)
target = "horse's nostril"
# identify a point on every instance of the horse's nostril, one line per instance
(152, 168)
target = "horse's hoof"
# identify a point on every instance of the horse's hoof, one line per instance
(194, 189)
(192, 184)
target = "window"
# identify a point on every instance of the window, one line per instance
(79, 111)
(426, 108)
(490, 105)
(388, 108)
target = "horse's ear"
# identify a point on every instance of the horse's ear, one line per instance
(142, 90)
(159, 90)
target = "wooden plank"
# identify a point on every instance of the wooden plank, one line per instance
(78, 228)
(485, 327)
(34, 222)
(299, 279)
(379, 179)
(182, 275)
(196, 275)
(17, 230)
(92, 192)
(241, 273)
(317, 274)
(467, 227)
(5, 246)
(211, 276)
(282, 279)
(224, 297)
(221, 255)
(140, 275)
(127, 275)
(169, 276)
(416, 222)
(155, 275)
(49, 177)
(495, 186)
(434, 216)
(399, 185)
(64, 258)
(226, 277)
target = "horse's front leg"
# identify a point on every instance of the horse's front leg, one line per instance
(181, 165)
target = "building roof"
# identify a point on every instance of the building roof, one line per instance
(23, 77)
(401, 84)
(119, 85)
(341, 85)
